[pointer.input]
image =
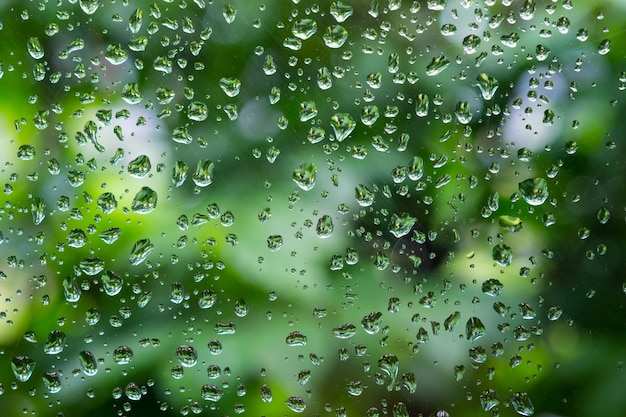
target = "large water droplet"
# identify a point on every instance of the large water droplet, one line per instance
(305, 175)
(187, 356)
(22, 367)
(324, 226)
(115, 54)
(296, 404)
(140, 251)
(55, 343)
(140, 166)
(401, 224)
(145, 201)
(304, 28)
(522, 405)
(534, 191)
(335, 36)
(88, 363)
(230, 86)
(34, 48)
(474, 329)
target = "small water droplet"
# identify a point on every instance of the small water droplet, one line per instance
(89, 6)
(296, 338)
(187, 356)
(345, 331)
(123, 355)
(296, 404)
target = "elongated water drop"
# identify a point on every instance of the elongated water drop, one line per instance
(203, 175)
(34, 48)
(474, 329)
(88, 363)
(140, 251)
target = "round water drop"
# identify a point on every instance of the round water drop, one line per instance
(335, 36)
(187, 356)
(554, 313)
(502, 254)
(197, 111)
(123, 355)
(145, 201)
(215, 347)
(115, 54)
(22, 367)
(534, 191)
(132, 391)
(296, 404)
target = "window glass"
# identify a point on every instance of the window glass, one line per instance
(341, 208)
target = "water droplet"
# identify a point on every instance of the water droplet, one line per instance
(534, 191)
(489, 399)
(140, 251)
(510, 223)
(324, 226)
(304, 28)
(389, 363)
(307, 111)
(131, 94)
(55, 343)
(335, 36)
(401, 224)
(139, 167)
(115, 54)
(230, 86)
(345, 331)
(203, 175)
(296, 338)
(71, 291)
(187, 356)
(603, 48)
(296, 404)
(369, 115)
(363, 195)
(527, 12)
(305, 175)
(26, 152)
(522, 405)
(22, 367)
(52, 382)
(274, 242)
(488, 85)
(145, 201)
(110, 235)
(355, 388)
(135, 21)
(88, 363)
(554, 313)
(471, 44)
(179, 173)
(34, 48)
(492, 287)
(215, 347)
(474, 329)
(225, 328)
(123, 355)
(266, 393)
(229, 13)
(177, 293)
(197, 111)
(112, 283)
(343, 124)
(451, 321)
(324, 80)
(371, 322)
(437, 65)
(502, 254)
(89, 6)
(211, 393)
(38, 210)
